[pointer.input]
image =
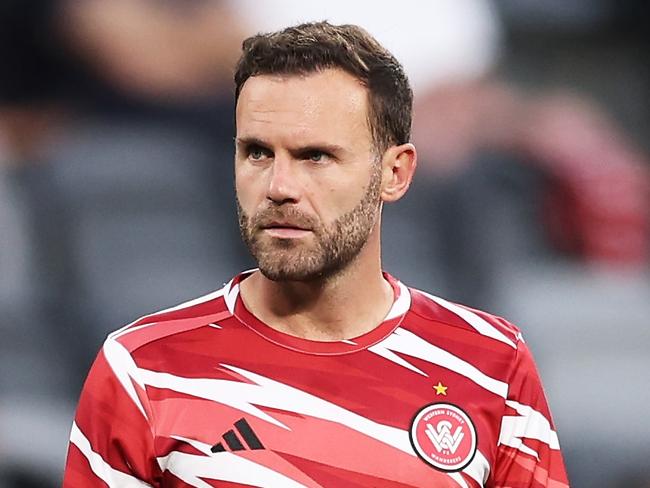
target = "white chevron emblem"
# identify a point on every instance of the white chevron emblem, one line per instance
(441, 437)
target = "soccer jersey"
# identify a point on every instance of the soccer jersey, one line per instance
(206, 395)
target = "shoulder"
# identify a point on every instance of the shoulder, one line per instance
(187, 316)
(430, 308)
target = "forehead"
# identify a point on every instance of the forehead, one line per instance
(329, 103)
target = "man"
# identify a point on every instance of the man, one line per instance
(317, 369)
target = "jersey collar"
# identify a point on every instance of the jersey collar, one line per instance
(401, 305)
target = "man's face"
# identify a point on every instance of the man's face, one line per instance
(308, 180)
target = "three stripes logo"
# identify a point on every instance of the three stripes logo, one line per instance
(234, 442)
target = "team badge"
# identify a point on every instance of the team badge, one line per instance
(444, 436)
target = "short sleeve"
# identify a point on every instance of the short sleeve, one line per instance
(528, 453)
(112, 442)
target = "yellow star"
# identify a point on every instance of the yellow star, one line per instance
(440, 389)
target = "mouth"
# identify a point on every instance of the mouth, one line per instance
(285, 230)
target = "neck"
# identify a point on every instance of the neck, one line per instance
(322, 309)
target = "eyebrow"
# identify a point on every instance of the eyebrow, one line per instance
(250, 141)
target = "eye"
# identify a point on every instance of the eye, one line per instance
(316, 156)
(257, 153)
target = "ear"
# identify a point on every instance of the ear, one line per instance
(398, 167)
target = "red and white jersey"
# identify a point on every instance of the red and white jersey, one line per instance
(205, 395)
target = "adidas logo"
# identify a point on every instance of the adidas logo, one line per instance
(233, 441)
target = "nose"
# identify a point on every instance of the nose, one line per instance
(283, 184)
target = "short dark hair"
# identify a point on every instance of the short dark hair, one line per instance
(312, 47)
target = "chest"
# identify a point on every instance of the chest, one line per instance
(275, 417)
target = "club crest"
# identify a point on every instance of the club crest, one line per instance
(444, 436)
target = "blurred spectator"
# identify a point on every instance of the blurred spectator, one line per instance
(157, 49)
(596, 183)
(598, 206)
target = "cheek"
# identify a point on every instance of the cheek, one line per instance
(333, 201)
(248, 189)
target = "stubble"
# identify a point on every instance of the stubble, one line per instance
(333, 246)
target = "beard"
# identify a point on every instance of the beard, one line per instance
(335, 246)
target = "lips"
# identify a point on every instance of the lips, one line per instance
(285, 229)
(284, 225)
(286, 232)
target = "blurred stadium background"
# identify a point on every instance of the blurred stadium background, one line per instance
(531, 201)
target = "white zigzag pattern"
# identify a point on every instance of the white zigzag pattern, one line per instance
(406, 342)
(269, 393)
(112, 477)
(225, 467)
(119, 358)
(529, 424)
(230, 468)
(125, 369)
(478, 323)
(266, 392)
